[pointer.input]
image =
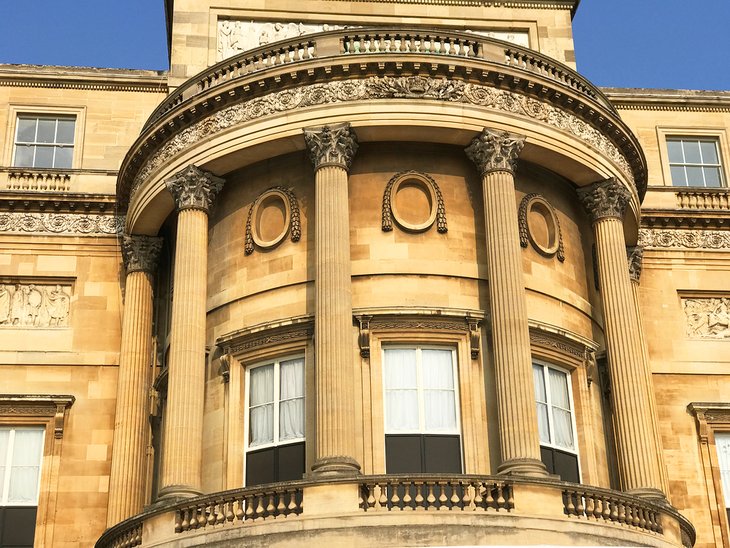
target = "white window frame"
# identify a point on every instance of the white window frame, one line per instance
(717, 134)
(5, 492)
(277, 401)
(724, 472)
(703, 164)
(55, 145)
(545, 366)
(421, 406)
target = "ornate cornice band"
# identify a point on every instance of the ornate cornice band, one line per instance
(333, 145)
(494, 150)
(194, 188)
(141, 253)
(659, 238)
(604, 199)
(61, 224)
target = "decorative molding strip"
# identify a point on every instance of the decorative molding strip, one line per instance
(73, 224)
(387, 88)
(38, 406)
(688, 239)
(437, 212)
(554, 247)
(707, 317)
(292, 221)
(31, 305)
(571, 348)
(269, 333)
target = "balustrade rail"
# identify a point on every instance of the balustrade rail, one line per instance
(126, 535)
(462, 493)
(714, 198)
(611, 507)
(407, 42)
(38, 180)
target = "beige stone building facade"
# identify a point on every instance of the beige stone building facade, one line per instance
(362, 273)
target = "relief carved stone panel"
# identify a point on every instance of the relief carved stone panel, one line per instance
(34, 305)
(707, 317)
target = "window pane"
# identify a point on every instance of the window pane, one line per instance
(291, 419)
(46, 131)
(25, 470)
(679, 178)
(559, 388)
(24, 156)
(694, 176)
(291, 379)
(543, 425)
(4, 437)
(26, 130)
(64, 156)
(43, 157)
(400, 368)
(537, 374)
(437, 369)
(692, 152)
(262, 385)
(403, 454)
(261, 425)
(563, 429)
(65, 131)
(401, 411)
(442, 454)
(675, 152)
(440, 410)
(722, 442)
(712, 177)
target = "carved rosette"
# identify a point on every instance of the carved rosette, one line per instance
(636, 258)
(333, 145)
(140, 253)
(495, 150)
(194, 188)
(603, 199)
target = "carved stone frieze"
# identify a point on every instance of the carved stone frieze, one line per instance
(254, 341)
(494, 150)
(636, 258)
(292, 223)
(194, 188)
(141, 253)
(603, 199)
(388, 88)
(333, 145)
(29, 305)
(707, 317)
(689, 239)
(73, 224)
(438, 209)
(554, 245)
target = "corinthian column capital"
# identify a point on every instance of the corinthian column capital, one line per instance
(636, 258)
(331, 145)
(140, 253)
(607, 198)
(194, 188)
(495, 150)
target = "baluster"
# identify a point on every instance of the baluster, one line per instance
(240, 504)
(179, 520)
(383, 497)
(193, 518)
(642, 518)
(249, 507)
(478, 492)
(370, 502)
(468, 498)
(442, 494)
(280, 507)
(490, 498)
(407, 499)
(394, 498)
(569, 506)
(455, 497)
(430, 498)
(500, 496)
(419, 494)
(621, 512)
(590, 506)
(270, 506)
(387, 43)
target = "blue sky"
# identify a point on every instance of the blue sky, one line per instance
(624, 43)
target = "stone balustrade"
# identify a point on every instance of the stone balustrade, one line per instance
(44, 180)
(475, 505)
(704, 199)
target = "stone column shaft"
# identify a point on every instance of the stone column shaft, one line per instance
(181, 475)
(638, 454)
(495, 154)
(332, 149)
(131, 425)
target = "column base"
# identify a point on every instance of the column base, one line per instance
(335, 466)
(649, 493)
(522, 467)
(173, 493)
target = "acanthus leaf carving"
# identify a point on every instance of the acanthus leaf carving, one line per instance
(194, 188)
(494, 150)
(688, 239)
(141, 253)
(602, 199)
(333, 145)
(74, 224)
(636, 259)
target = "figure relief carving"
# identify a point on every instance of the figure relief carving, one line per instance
(412, 215)
(333, 145)
(33, 305)
(603, 199)
(707, 317)
(194, 188)
(636, 258)
(140, 253)
(495, 150)
(278, 198)
(546, 235)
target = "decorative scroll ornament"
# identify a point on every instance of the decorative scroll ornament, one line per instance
(72, 224)
(194, 188)
(292, 222)
(375, 87)
(607, 198)
(636, 257)
(554, 244)
(333, 145)
(691, 239)
(437, 212)
(140, 253)
(34, 305)
(495, 150)
(707, 317)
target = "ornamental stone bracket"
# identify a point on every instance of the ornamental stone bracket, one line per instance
(333, 145)
(52, 407)
(194, 188)
(494, 150)
(467, 322)
(603, 199)
(140, 253)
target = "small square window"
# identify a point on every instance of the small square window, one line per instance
(44, 141)
(695, 161)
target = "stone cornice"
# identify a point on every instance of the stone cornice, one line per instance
(59, 77)
(669, 100)
(56, 202)
(519, 4)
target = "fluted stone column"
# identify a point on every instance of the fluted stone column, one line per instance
(495, 155)
(331, 149)
(128, 471)
(193, 191)
(636, 440)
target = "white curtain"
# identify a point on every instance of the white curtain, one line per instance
(4, 439)
(291, 395)
(401, 390)
(560, 400)
(261, 404)
(722, 442)
(26, 466)
(439, 397)
(543, 422)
